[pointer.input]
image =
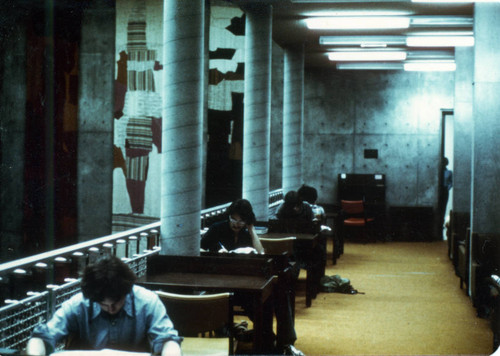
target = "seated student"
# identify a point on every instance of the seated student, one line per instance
(237, 231)
(109, 313)
(294, 208)
(296, 215)
(310, 195)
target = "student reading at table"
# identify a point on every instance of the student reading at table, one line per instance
(296, 215)
(237, 232)
(109, 313)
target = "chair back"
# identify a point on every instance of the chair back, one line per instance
(353, 206)
(278, 246)
(201, 315)
(193, 315)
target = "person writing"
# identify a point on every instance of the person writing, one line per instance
(235, 232)
(110, 312)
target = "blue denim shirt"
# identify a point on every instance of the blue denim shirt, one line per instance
(142, 321)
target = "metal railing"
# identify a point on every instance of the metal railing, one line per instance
(32, 288)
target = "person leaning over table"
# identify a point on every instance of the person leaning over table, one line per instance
(109, 313)
(236, 232)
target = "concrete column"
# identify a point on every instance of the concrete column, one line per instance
(95, 121)
(462, 150)
(486, 155)
(183, 101)
(12, 137)
(293, 116)
(257, 108)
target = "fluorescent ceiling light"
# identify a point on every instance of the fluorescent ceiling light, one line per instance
(431, 54)
(369, 66)
(430, 66)
(440, 41)
(367, 56)
(371, 12)
(362, 41)
(456, 1)
(451, 21)
(357, 22)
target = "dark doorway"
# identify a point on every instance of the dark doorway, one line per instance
(225, 154)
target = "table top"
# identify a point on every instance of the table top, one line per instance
(207, 281)
(299, 235)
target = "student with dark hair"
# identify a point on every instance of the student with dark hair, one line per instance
(309, 195)
(109, 313)
(294, 208)
(236, 231)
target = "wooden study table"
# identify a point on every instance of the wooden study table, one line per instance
(246, 278)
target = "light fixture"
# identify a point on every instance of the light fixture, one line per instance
(455, 1)
(362, 41)
(371, 12)
(357, 22)
(430, 66)
(442, 21)
(369, 66)
(367, 56)
(440, 41)
(435, 54)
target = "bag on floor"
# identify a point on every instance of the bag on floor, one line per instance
(336, 284)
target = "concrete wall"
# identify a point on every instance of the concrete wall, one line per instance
(396, 113)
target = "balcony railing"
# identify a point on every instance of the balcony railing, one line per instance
(32, 288)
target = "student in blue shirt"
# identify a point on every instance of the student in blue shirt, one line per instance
(109, 313)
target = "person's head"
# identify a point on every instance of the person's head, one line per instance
(293, 201)
(107, 282)
(240, 213)
(445, 161)
(308, 194)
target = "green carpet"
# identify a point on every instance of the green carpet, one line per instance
(412, 305)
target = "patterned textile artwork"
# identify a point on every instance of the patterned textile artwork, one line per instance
(137, 117)
(138, 101)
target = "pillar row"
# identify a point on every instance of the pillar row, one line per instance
(464, 77)
(182, 126)
(257, 108)
(12, 142)
(95, 121)
(293, 116)
(486, 155)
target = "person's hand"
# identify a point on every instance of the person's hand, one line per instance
(222, 248)
(35, 347)
(171, 348)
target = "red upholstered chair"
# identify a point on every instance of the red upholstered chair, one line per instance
(354, 217)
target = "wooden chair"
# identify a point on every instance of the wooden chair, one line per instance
(354, 216)
(201, 319)
(278, 246)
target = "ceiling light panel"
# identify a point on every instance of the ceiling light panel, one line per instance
(369, 66)
(430, 66)
(441, 21)
(362, 41)
(367, 56)
(440, 41)
(357, 22)
(455, 1)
